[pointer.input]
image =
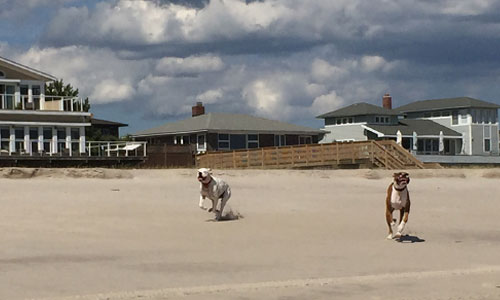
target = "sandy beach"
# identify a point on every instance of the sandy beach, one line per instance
(305, 234)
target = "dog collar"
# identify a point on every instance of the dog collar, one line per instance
(399, 190)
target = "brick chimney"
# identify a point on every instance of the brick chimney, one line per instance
(387, 101)
(198, 109)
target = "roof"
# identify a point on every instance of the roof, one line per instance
(421, 127)
(26, 70)
(94, 121)
(359, 109)
(445, 103)
(227, 122)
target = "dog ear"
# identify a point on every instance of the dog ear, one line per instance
(395, 175)
(209, 171)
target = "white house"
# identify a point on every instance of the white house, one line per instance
(32, 123)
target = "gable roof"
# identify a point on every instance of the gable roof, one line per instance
(359, 109)
(26, 70)
(227, 122)
(445, 103)
(408, 126)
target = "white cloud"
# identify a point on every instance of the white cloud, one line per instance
(210, 96)
(322, 71)
(110, 90)
(326, 103)
(97, 73)
(192, 65)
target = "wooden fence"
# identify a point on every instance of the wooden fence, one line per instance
(383, 154)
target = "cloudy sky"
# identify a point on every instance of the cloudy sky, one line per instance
(146, 63)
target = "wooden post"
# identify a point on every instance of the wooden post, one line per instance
(385, 154)
(293, 155)
(262, 149)
(322, 151)
(234, 159)
(337, 152)
(307, 155)
(248, 158)
(353, 152)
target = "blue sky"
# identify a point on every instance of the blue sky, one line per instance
(146, 63)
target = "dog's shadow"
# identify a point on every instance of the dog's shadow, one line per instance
(409, 239)
(229, 216)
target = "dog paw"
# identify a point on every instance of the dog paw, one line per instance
(389, 237)
(393, 223)
(397, 235)
(210, 209)
(202, 207)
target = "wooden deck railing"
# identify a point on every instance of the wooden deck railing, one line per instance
(383, 154)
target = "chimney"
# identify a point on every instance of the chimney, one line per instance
(198, 109)
(387, 101)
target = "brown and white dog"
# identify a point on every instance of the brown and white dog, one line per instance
(398, 198)
(214, 189)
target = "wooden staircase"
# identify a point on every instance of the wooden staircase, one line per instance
(379, 154)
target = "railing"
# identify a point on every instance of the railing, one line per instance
(116, 149)
(386, 155)
(53, 103)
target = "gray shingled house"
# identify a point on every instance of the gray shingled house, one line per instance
(448, 126)
(224, 131)
(364, 121)
(475, 119)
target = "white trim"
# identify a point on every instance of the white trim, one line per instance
(4, 80)
(38, 112)
(426, 136)
(379, 134)
(348, 124)
(42, 123)
(198, 148)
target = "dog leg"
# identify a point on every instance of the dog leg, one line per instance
(225, 197)
(388, 217)
(402, 224)
(202, 199)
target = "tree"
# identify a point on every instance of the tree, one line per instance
(57, 88)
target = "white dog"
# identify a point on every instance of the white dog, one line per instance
(214, 189)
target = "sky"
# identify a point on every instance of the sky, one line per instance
(145, 63)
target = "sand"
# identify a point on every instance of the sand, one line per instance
(312, 234)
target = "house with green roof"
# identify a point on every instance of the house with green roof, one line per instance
(225, 131)
(452, 126)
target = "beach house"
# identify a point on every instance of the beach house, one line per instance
(32, 123)
(226, 131)
(451, 126)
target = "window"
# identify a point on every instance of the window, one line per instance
(351, 120)
(339, 121)
(201, 143)
(5, 139)
(252, 141)
(223, 141)
(279, 140)
(2, 74)
(446, 114)
(377, 120)
(387, 120)
(487, 138)
(305, 140)
(454, 117)
(344, 121)
(427, 115)
(464, 117)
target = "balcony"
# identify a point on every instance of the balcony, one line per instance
(41, 103)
